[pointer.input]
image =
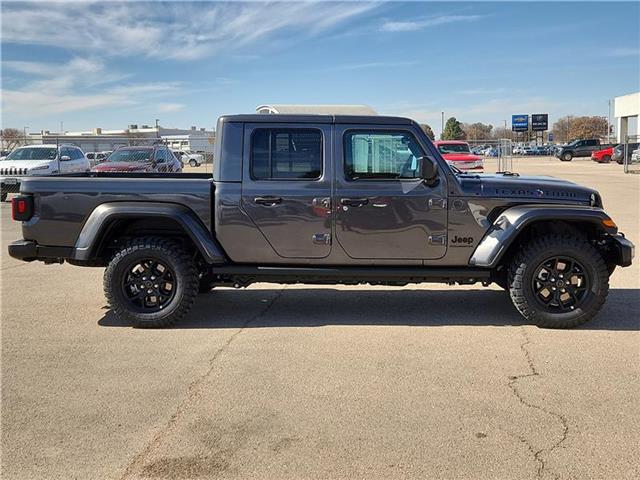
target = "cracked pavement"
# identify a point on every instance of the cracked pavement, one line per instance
(321, 382)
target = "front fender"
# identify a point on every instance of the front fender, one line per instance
(514, 220)
(103, 214)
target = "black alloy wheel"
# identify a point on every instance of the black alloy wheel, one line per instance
(149, 285)
(560, 284)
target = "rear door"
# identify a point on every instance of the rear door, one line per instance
(286, 187)
(384, 210)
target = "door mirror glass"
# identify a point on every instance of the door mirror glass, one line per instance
(428, 169)
(65, 158)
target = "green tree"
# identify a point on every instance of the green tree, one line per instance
(453, 130)
(428, 131)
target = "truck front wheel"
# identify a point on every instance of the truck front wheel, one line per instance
(558, 281)
(151, 282)
(566, 157)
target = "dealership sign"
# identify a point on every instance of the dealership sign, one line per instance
(540, 122)
(519, 123)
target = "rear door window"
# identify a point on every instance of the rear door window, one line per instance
(286, 154)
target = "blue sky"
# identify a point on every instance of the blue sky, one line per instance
(111, 64)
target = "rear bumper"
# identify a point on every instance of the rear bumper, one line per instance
(623, 249)
(29, 251)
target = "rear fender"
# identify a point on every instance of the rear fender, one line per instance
(514, 220)
(104, 214)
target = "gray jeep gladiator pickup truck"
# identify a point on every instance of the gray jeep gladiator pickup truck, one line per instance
(324, 200)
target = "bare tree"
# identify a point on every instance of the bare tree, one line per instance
(477, 131)
(11, 138)
(426, 128)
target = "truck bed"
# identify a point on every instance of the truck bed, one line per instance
(64, 202)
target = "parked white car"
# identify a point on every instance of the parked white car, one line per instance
(39, 160)
(97, 157)
(193, 159)
(635, 156)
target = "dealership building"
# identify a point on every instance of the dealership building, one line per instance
(626, 110)
(194, 139)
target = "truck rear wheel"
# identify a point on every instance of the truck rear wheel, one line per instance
(558, 281)
(151, 282)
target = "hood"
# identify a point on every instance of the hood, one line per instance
(535, 187)
(121, 167)
(461, 157)
(9, 166)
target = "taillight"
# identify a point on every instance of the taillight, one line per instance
(22, 208)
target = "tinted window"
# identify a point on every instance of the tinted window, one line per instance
(33, 153)
(161, 155)
(130, 155)
(77, 154)
(286, 154)
(382, 155)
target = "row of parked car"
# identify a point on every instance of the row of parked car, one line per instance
(49, 159)
(617, 154)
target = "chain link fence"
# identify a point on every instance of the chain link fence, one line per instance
(195, 151)
(495, 152)
(631, 154)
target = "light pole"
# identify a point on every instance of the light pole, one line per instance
(157, 129)
(442, 127)
(24, 131)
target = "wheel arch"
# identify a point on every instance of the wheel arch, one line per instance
(114, 220)
(518, 224)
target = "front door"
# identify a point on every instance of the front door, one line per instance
(286, 187)
(384, 210)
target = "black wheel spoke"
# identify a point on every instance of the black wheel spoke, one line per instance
(149, 285)
(560, 284)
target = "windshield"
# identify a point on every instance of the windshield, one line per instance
(130, 155)
(453, 148)
(33, 153)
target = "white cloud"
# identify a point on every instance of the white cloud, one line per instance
(80, 84)
(176, 30)
(170, 107)
(409, 26)
(623, 52)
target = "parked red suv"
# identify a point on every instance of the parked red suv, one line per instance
(156, 158)
(602, 156)
(459, 155)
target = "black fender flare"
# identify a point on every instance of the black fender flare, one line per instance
(513, 221)
(103, 214)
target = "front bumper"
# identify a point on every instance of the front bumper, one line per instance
(623, 249)
(10, 184)
(28, 250)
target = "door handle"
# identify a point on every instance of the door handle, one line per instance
(269, 201)
(354, 202)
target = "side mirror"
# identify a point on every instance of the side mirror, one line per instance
(65, 158)
(429, 170)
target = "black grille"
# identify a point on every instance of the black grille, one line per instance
(13, 171)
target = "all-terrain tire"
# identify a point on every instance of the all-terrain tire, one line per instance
(169, 253)
(532, 255)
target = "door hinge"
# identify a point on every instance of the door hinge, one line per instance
(439, 239)
(322, 238)
(437, 202)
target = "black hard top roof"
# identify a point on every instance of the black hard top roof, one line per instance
(288, 118)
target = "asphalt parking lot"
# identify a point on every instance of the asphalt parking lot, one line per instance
(338, 382)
